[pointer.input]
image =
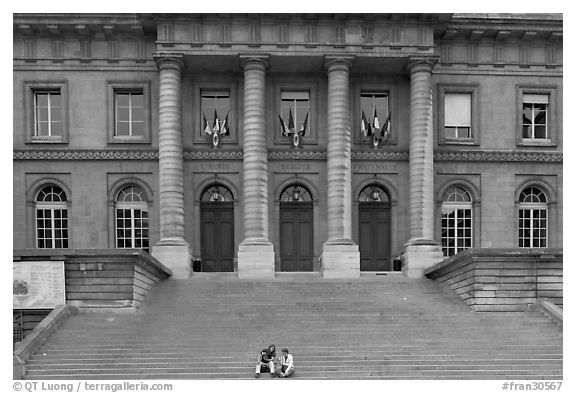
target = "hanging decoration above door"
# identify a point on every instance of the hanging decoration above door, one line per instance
(290, 130)
(378, 135)
(217, 131)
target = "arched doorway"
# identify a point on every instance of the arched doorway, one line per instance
(217, 229)
(296, 229)
(374, 237)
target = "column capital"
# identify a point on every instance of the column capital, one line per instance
(254, 61)
(421, 63)
(165, 60)
(338, 62)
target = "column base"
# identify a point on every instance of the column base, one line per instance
(256, 260)
(340, 260)
(418, 255)
(176, 256)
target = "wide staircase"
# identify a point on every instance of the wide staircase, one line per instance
(377, 327)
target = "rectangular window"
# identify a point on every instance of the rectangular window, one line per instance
(214, 106)
(535, 116)
(297, 102)
(51, 228)
(532, 228)
(132, 228)
(129, 113)
(458, 116)
(375, 104)
(456, 229)
(48, 113)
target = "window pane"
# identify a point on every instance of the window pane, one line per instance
(137, 114)
(122, 100)
(41, 99)
(540, 132)
(122, 129)
(55, 100)
(138, 129)
(458, 110)
(122, 114)
(137, 100)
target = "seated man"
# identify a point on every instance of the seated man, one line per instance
(266, 357)
(287, 363)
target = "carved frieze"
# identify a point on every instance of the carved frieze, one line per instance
(497, 156)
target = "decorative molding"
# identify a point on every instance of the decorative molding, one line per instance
(296, 155)
(496, 156)
(213, 155)
(380, 155)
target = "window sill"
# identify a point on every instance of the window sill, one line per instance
(47, 139)
(456, 141)
(129, 140)
(536, 142)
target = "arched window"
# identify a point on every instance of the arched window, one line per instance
(456, 221)
(132, 218)
(373, 193)
(295, 193)
(217, 193)
(51, 218)
(532, 218)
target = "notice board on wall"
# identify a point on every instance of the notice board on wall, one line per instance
(38, 284)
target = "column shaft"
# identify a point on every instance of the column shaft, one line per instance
(255, 253)
(255, 154)
(421, 199)
(171, 162)
(172, 249)
(339, 165)
(340, 256)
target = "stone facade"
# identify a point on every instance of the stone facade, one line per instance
(416, 60)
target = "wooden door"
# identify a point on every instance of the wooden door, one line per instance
(296, 237)
(374, 236)
(217, 236)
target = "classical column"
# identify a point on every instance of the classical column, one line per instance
(256, 252)
(421, 250)
(340, 255)
(172, 249)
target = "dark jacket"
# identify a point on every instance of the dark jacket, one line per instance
(266, 355)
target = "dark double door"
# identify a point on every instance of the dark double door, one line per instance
(374, 236)
(296, 237)
(217, 236)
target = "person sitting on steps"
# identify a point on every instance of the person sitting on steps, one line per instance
(266, 357)
(287, 364)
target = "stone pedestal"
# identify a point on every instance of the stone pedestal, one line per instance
(340, 261)
(419, 256)
(176, 257)
(256, 260)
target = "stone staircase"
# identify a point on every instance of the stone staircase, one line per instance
(376, 327)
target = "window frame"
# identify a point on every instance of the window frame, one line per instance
(141, 206)
(531, 207)
(473, 91)
(115, 87)
(311, 137)
(551, 122)
(51, 206)
(31, 89)
(360, 87)
(456, 206)
(196, 134)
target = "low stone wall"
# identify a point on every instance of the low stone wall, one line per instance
(43, 330)
(103, 278)
(502, 279)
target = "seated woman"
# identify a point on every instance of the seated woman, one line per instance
(287, 364)
(266, 357)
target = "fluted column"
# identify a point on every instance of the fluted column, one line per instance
(172, 249)
(421, 250)
(255, 253)
(340, 256)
